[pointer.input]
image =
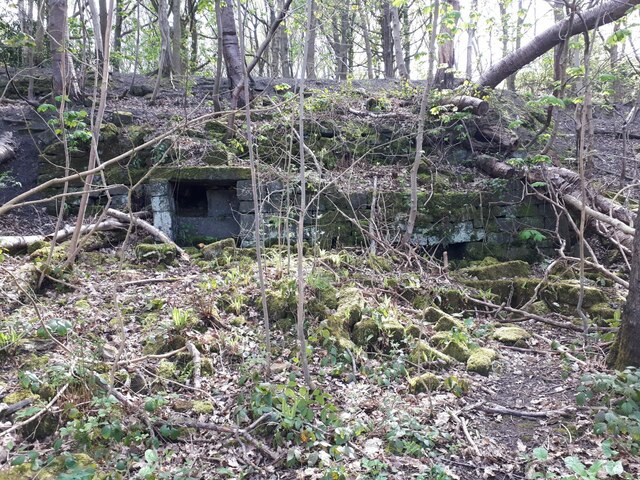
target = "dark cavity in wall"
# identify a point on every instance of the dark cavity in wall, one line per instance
(205, 211)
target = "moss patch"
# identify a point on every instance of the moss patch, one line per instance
(512, 336)
(515, 268)
(215, 249)
(481, 360)
(426, 356)
(427, 382)
(156, 252)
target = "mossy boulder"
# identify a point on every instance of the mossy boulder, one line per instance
(539, 308)
(449, 345)
(433, 314)
(121, 118)
(516, 290)
(602, 311)
(215, 249)
(447, 323)
(512, 336)
(492, 271)
(427, 382)
(77, 465)
(451, 300)
(202, 407)
(425, 355)
(19, 396)
(366, 332)
(481, 360)
(567, 292)
(156, 252)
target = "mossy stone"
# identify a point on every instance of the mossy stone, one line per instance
(539, 308)
(215, 249)
(451, 346)
(567, 292)
(55, 469)
(365, 333)
(351, 303)
(433, 314)
(515, 268)
(603, 311)
(380, 264)
(481, 360)
(156, 252)
(19, 396)
(512, 336)
(167, 369)
(427, 382)
(122, 118)
(202, 407)
(37, 245)
(447, 323)
(424, 354)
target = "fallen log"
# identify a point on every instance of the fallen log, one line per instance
(138, 222)
(616, 219)
(22, 242)
(7, 147)
(467, 103)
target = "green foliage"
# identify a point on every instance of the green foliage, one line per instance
(531, 235)
(618, 395)
(527, 162)
(599, 468)
(72, 125)
(407, 436)
(300, 415)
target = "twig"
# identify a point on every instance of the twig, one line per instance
(230, 431)
(197, 364)
(11, 409)
(500, 410)
(147, 281)
(463, 423)
(37, 415)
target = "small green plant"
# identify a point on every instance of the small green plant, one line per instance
(407, 436)
(183, 318)
(73, 123)
(531, 235)
(619, 394)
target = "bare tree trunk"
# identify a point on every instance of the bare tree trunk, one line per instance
(446, 52)
(406, 37)
(64, 81)
(117, 35)
(97, 28)
(626, 349)
(397, 43)
(311, 53)
(164, 65)
(193, 32)
(303, 213)
(38, 56)
(471, 34)
(606, 13)
(176, 43)
(95, 135)
(256, 206)
(216, 86)
(230, 46)
(511, 80)
(387, 39)
(432, 40)
(364, 20)
(285, 55)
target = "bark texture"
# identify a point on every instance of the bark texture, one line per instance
(626, 350)
(606, 13)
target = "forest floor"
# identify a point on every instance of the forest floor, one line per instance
(360, 421)
(116, 318)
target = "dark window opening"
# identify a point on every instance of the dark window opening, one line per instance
(191, 199)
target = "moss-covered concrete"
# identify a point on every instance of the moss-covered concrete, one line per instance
(452, 346)
(424, 355)
(481, 360)
(515, 268)
(427, 382)
(156, 252)
(208, 173)
(215, 249)
(512, 336)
